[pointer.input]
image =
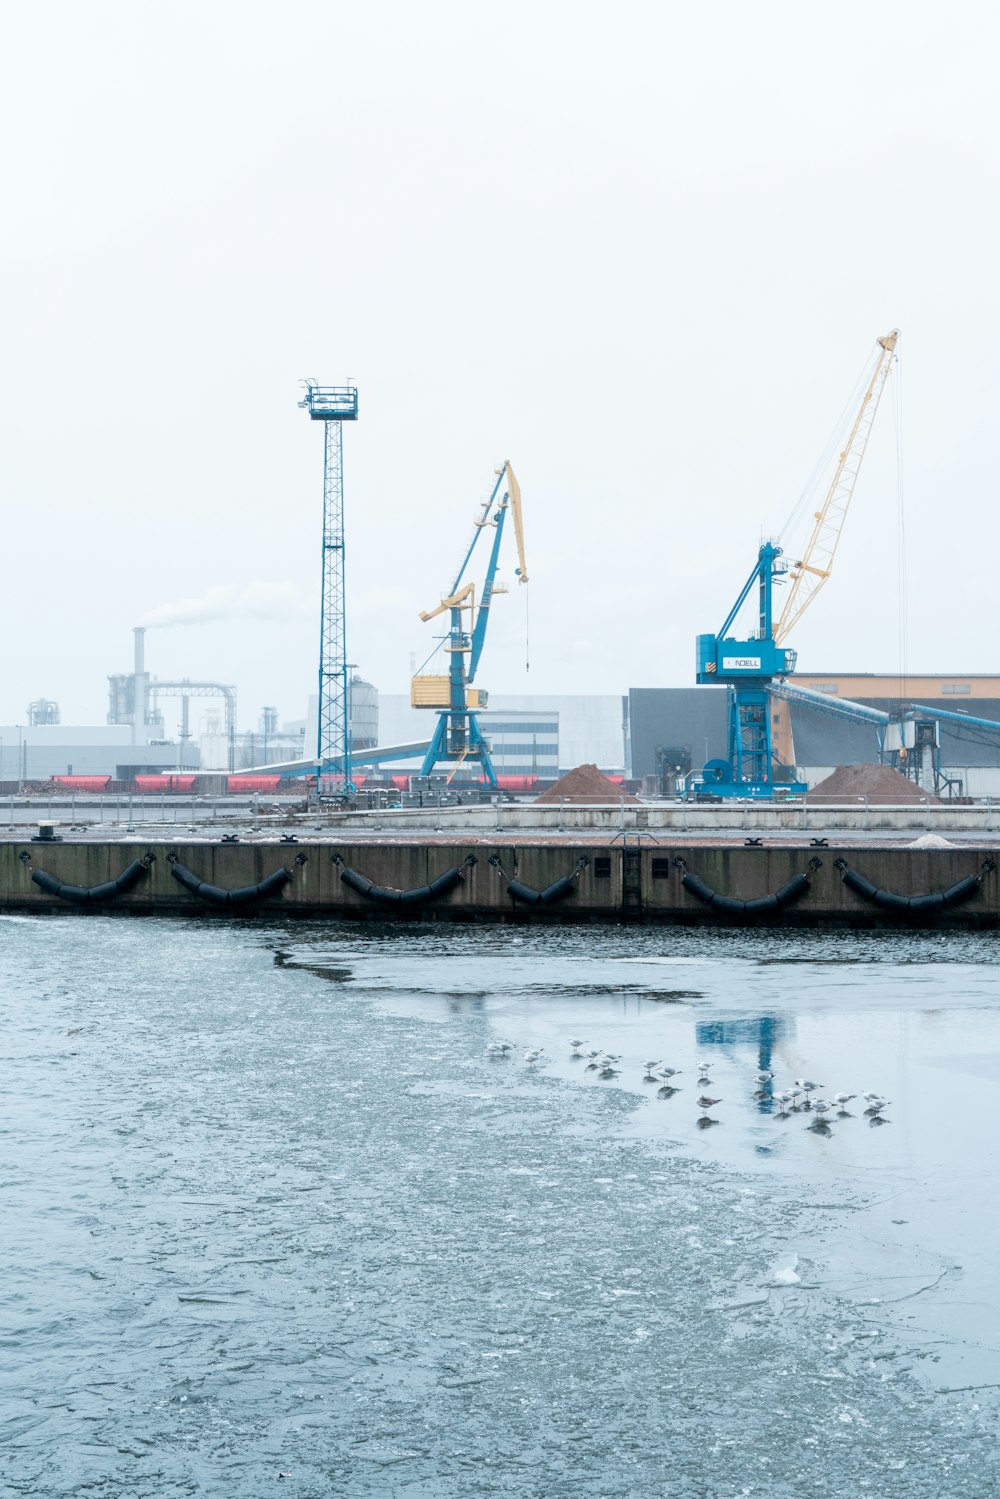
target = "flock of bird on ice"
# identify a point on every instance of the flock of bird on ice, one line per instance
(792, 1100)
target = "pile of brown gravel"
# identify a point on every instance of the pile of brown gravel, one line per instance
(880, 784)
(586, 786)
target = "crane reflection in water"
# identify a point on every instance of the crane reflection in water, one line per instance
(761, 1032)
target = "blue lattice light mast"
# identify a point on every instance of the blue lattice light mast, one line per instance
(332, 405)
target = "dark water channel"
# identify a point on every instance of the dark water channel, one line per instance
(274, 1222)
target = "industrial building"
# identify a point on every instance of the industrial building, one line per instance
(673, 730)
(534, 735)
(135, 741)
(136, 699)
(35, 752)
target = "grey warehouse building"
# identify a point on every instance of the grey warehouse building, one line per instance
(670, 726)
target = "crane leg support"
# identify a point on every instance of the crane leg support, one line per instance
(469, 744)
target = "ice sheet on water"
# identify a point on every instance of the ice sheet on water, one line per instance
(430, 1277)
(786, 1272)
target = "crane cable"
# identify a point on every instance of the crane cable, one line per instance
(903, 591)
(832, 446)
(527, 648)
(424, 664)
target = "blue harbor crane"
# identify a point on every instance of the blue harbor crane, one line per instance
(458, 737)
(333, 405)
(748, 665)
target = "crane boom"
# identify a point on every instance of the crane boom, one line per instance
(811, 572)
(515, 506)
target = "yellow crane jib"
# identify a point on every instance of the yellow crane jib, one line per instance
(453, 601)
(813, 568)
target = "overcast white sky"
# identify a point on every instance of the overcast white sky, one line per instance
(643, 251)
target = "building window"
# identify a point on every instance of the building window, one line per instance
(949, 689)
(602, 867)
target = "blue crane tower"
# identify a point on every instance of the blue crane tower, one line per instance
(748, 667)
(333, 405)
(458, 737)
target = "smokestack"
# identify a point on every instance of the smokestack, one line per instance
(141, 690)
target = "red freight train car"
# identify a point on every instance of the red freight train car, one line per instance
(168, 782)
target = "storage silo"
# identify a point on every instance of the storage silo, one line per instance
(363, 699)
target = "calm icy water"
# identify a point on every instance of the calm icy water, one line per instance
(269, 1209)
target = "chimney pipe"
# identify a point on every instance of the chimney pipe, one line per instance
(140, 696)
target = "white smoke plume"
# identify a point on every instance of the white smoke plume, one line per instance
(258, 599)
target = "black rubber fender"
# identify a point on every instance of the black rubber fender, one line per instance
(271, 885)
(185, 877)
(889, 900)
(918, 905)
(384, 895)
(558, 890)
(85, 895)
(552, 894)
(962, 890)
(528, 896)
(793, 890)
(762, 905)
(859, 884)
(733, 906)
(242, 895)
(932, 902)
(697, 887)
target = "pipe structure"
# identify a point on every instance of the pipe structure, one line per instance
(186, 689)
(140, 693)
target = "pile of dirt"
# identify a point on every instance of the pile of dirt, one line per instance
(880, 784)
(586, 786)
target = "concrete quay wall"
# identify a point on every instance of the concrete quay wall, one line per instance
(676, 818)
(630, 883)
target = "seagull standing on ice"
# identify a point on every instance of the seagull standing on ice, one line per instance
(807, 1087)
